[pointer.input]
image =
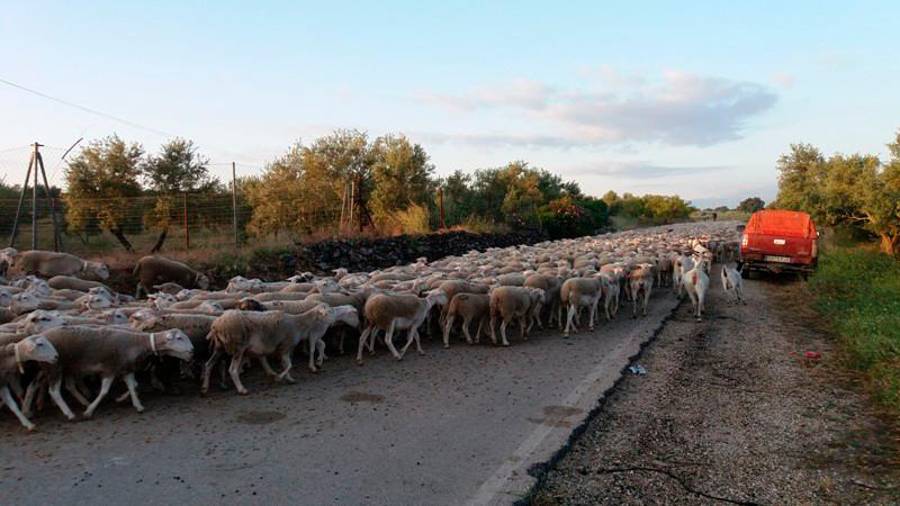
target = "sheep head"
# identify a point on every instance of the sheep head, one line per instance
(174, 343)
(35, 348)
(40, 321)
(346, 315)
(97, 269)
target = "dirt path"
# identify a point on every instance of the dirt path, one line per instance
(726, 413)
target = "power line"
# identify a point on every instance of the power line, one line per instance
(87, 109)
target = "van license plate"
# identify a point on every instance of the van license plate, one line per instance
(783, 260)
(779, 242)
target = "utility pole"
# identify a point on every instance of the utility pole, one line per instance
(35, 163)
(234, 204)
(441, 206)
(187, 231)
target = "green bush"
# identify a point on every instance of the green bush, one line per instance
(566, 217)
(859, 292)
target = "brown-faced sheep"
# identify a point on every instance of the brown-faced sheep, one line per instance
(390, 312)
(154, 270)
(49, 264)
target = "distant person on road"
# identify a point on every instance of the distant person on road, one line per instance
(715, 216)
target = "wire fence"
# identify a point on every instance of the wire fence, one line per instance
(181, 222)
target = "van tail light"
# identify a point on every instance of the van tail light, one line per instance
(745, 240)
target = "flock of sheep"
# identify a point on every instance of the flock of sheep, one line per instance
(63, 328)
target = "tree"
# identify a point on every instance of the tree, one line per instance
(102, 182)
(751, 205)
(860, 190)
(401, 176)
(178, 168)
(800, 182)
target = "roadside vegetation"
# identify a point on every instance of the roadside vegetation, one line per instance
(857, 285)
(858, 291)
(119, 196)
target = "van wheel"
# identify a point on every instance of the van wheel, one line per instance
(745, 273)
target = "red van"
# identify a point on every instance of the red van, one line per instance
(779, 241)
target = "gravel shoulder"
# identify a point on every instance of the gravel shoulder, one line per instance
(730, 412)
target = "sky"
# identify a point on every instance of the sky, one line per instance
(694, 98)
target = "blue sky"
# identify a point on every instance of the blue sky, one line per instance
(694, 98)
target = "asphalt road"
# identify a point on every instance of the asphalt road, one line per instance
(454, 426)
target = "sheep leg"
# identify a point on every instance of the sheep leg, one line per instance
(362, 343)
(57, 397)
(646, 301)
(320, 355)
(15, 385)
(7, 398)
(207, 368)
(235, 371)
(524, 327)
(570, 317)
(419, 343)
(30, 392)
(448, 324)
(478, 331)
(131, 383)
(493, 329)
(372, 338)
(286, 365)
(503, 332)
(105, 383)
(389, 340)
(312, 354)
(267, 367)
(465, 328)
(592, 313)
(342, 335)
(411, 335)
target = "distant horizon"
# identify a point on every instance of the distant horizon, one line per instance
(697, 100)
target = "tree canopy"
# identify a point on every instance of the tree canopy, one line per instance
(857, 190)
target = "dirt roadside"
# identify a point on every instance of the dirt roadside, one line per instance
(729, 412)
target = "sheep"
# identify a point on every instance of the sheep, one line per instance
(733, 284)
(390, 312)
(275, 296)
(577, 293)
(73, 283)
(640, 281)
(31, 349)
(551, 286)
(510, 303)
(7, 257)
(695, 283)
(270, 332)
(168, 287)
(110, 352)
(609, 287)
(50, 263)
(154, 270)
(469, 307)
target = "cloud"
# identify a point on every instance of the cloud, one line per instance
(784, 80)
(678, 109)
(643, 170)
(520, 93)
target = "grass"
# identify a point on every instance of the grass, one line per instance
(858, 291)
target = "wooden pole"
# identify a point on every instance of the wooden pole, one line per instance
(352, 201)
(234, 204)
(34, 209)
(57, 235)
(343, 206)
(15, 227)
(441, 206)
(187, 231)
